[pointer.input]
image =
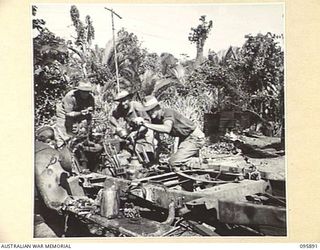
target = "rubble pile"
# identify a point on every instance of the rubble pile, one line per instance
(219, 148)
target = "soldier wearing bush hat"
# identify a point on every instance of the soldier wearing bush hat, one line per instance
(128, 110)
(85, 86)
(75, 108)
(125, 108)
(169, 121)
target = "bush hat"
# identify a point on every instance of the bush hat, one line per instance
(121, 95)
(84, 86)
(149, 103)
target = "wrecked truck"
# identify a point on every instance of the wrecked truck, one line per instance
(124, 196)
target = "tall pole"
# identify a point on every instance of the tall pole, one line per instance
(115, 47)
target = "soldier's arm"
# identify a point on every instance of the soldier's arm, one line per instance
(69, 104)
(166, 127)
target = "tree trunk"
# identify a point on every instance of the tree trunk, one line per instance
(199, 58)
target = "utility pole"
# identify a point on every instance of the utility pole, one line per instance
(114, 46)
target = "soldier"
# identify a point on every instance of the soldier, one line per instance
(74, 112)
(169, 121)
(142, 138)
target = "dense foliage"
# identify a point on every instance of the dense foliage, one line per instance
(250, 78)
(50, 79)
(254, 79)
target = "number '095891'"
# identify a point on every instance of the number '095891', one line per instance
(308, 246)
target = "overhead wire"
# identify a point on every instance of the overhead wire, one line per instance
(134, 27)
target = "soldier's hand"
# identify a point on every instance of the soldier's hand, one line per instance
(84, 112)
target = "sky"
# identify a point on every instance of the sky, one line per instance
(165, 27)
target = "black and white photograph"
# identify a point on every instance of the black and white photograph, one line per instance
(159, 120)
